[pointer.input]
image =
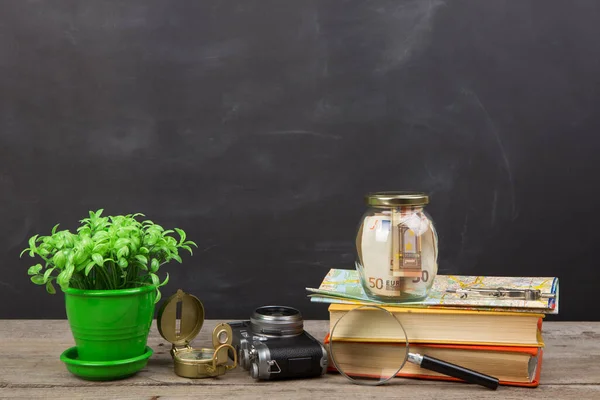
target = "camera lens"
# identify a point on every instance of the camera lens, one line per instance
(277, 321)
(277, 311)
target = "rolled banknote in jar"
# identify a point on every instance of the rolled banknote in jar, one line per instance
(397, 247)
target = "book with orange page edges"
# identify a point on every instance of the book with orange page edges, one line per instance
(495, 337)
(513, 366)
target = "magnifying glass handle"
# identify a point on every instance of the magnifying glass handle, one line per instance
(446, 368)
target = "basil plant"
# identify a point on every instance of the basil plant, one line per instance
(106, 253)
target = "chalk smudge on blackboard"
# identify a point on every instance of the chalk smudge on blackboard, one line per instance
(306, 133)
(409, 26)
(494, 130)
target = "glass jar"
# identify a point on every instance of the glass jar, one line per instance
(397, 247)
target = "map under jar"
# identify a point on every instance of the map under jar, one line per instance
(397, 247)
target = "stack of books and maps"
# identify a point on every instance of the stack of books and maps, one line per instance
(457, 322)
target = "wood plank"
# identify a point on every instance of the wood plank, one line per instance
(31, 369)
(311, 392)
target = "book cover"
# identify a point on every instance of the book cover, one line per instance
(342, 286)
(437, 325)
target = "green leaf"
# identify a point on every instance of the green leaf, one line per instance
(188, 248)
(98, 259)
(68, 273)
(154, 265)
(165, 249)
(165, 233)
(32, 241)
(59, 259)
(87, 244)
(177, 258)
(70, 257)
(55, 228)
(155, 279)
(122, 242)
(47, 274)
(68, 238)
(44, 253)
(84, 231)
(81, 266)
(158, 296)
(101, 235)
(135, 243)
(34, 269)
(99, 213)
(25, 251)
(50, 287)
(142, 259)
(89, 267)
(151, 239)
(165, 281)
(60, 279)
(101, 248)
(144, 250)
(37, 279)
(154, 232)
(123, 252)
(190, 243)
(181, 235)
(123, 263)
(69, 269)
(157, 228)
(80, 256)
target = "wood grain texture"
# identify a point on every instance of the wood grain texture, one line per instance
(31, 369)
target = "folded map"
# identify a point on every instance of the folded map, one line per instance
(344, 287)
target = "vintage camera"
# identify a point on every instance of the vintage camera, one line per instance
(274, 345)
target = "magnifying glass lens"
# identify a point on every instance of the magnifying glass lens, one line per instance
(368, 345)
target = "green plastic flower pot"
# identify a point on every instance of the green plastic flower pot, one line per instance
(110, 325)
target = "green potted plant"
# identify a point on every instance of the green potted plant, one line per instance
(109, 273)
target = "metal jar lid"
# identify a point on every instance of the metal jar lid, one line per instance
(395, 199)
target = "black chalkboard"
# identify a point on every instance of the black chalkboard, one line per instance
(258, 126)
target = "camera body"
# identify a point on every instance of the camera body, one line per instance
(273, 345)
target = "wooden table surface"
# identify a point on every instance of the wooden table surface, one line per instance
(30, 368)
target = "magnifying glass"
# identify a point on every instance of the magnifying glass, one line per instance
(379, 360)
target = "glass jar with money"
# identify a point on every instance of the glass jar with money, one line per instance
(397, 247)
